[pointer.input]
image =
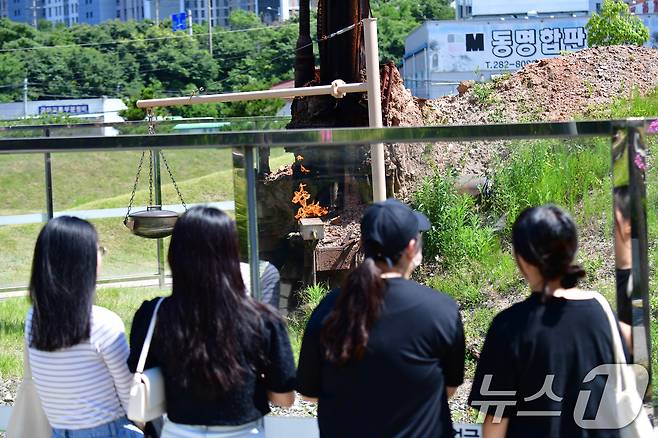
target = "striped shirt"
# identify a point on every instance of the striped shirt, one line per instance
(88, 384)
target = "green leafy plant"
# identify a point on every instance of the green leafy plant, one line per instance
(616, 25)
(457, 232)
(484, 93)
(310, 297)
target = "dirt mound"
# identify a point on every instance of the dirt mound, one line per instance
(563, 88)
(575, 86)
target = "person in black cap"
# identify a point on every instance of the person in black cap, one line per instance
(382, 354)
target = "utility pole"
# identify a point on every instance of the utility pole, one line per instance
(34, 13)
(157, 12)
(189, 22)
(25, 98)
(210, 26)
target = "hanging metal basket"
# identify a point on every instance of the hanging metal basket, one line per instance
(152, 223)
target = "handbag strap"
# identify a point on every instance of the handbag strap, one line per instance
(147, 340)
(617, 346)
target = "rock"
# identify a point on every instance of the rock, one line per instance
(464, 86)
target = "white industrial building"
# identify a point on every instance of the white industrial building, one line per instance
(440, 54)
(101, 109)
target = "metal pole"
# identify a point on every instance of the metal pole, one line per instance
(34, 13)
(209, 4)
(157, 188)
(189, 22)
(157, 12)
(337, 89)
(640, 306)
(252, 221)
(374, 108)
(48, 173)
(25, 98)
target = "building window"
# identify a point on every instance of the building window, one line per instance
(118, 14)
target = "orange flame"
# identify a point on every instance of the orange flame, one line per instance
(314, 209)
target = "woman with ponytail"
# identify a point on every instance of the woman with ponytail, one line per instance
(382, 354)
(537, 354)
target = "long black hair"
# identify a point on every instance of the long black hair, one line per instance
(210, 331)
(546, 237)
(346, 330)
(63, 283)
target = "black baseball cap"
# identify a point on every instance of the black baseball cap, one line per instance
(391, 225)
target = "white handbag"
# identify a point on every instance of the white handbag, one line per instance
(147, 393)
(27, 416)
(626, 410)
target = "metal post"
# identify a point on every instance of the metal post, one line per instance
(25, 98)
(34, 13)
(189, 22)
(157, 12)
(374, 108)
(641, 314)
(157, 188)
(209, 4)
(252, 221)
(48, 173)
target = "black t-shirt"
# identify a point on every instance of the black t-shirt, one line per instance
(526, 345)
(240, 406)
(415, 349)
(624, 307)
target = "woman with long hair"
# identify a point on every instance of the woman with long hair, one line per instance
(538, 353)
(382, 354)
(77, 351)
(223, 355)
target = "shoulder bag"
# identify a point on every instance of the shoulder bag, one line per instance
(27, 416)
(147, 393)
(631, 418)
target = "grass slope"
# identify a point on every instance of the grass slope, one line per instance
(128, 254)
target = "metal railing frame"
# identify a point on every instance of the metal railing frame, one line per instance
(247, 144)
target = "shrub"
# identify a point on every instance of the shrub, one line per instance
(457, 232)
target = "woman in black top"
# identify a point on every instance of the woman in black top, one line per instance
(537, 353)
(223, 355)
(383, 353)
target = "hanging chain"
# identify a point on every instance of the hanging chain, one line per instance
(151, 128)
(173, 180)
(150, 177)
(132, 195)
(150, 117)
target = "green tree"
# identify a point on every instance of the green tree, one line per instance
(241, 19)
(615, 25)
(132, 113)
(12, 73)
(397, 18)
